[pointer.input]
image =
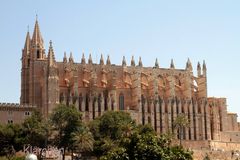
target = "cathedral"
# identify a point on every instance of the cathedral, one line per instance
(152, 95)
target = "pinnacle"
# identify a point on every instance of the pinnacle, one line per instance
(124, 61)
(37, 39)
(65, 58)
(132, 61)
(27, 43)
(140, 62)
(71, 58)
(108, 60)
(189, 65)
(156, 63)
(83, 61)
(90, 59)
(198, 65)
(101, 60)
(51, 57)
(172, 64)
(204, 65)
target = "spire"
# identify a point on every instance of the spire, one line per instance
(37, 39)
(51, 57)
(71, 58)
(156, 63)
(172, 64)
(83, 61)
(132, 61)
(108, 60)
(189, 65)
(204, 68)
(204, 65)
(199, 69)
(27, 43)
(124, 61)
(90, 59)
(140, 62)
(101, 60)
(65, 58)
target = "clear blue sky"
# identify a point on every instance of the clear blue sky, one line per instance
(201, 30)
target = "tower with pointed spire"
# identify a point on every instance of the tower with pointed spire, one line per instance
(37, 43)
(24, 99)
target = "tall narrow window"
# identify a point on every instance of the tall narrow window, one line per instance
(105, 94)
(99, 104)
(80, 102)
(61, 98)
(143, 109)
(38, 54)
(86, 102)
(28, 62)
(121, 102)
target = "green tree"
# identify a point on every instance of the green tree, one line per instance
(179, 153)
(6, 138)
(10, 139)
(119, 138)
(82, 140)
(36, 129)
(65, 121)
(180, 123)
(108, 129)
(115, 124)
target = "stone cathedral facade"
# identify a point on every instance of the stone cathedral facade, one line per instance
(152, 95)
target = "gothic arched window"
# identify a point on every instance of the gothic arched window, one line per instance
(80, 102)
(61, 97)
(38, 54)
(86, 102)
(99, 103)
(121, 102)
(143, 109)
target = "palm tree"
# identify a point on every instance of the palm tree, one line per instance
(83, 140)
(180, 123)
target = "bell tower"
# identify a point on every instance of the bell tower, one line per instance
(37, 57)
(25, 70)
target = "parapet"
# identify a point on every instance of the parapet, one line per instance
(16, 106)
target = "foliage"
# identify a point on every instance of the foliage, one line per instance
(109, 129)
(35, 129)
(180, 123)
(179, 153)
(10, 139)
(65, 121)
(113, 136)
(122, 140)
(82, 140)
(118, 153)
(114, 124)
